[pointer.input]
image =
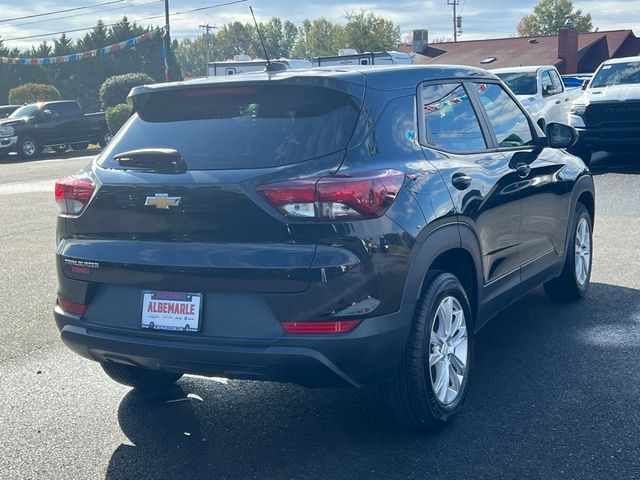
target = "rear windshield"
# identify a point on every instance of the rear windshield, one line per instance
(230, 127)
(521, 83)
(617, 74)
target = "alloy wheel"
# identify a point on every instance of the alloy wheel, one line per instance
(448, 351)
(583, 251)
(28, 148)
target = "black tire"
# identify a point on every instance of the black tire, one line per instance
(567, 287)
(140, 378)
(60, 148)
(105, 139)
(80, 146)
(410, 396)
(28, 148)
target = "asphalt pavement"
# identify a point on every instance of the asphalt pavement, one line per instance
(555, 392)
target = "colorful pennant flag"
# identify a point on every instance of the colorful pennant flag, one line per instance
(73, 57)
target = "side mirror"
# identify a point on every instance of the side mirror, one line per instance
(46, 114)
(549, 90)
(561, 136)
(585, 84)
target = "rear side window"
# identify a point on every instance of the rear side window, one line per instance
(65, 109)
(450, 121)
(251, 126)
(509, 123)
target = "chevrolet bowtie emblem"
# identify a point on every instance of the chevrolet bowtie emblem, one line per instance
(162, 200)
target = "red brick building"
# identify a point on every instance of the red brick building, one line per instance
(570, 51)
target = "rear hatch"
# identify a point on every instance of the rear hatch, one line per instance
(202, 227)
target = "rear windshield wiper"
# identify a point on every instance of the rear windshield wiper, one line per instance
(152, 160)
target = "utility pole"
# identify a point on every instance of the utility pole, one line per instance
(167, 41)
(454, 4)
(206, 38)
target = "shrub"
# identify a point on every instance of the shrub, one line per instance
(115, 89)
(32, 93)
(117, 116)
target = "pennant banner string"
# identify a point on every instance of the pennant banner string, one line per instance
(74, 57)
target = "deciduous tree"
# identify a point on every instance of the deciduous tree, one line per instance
(549, 16)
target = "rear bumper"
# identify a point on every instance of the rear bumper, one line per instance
(618, 138)
(367, 356)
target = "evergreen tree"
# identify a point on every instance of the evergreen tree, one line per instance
(63, 45)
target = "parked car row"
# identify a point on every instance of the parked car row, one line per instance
(605, 110)
(60, 125)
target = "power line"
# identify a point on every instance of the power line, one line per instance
(84, 7)
(42, 35)
(81, 14)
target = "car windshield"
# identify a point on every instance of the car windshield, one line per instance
(617, 74)
(251, 126)
(25, 111)
(520, 83)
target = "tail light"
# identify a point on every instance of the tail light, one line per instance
(73, 194)
(342, 326)
(71, 307)
(367, 195)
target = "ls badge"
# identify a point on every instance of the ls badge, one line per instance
(162, 201)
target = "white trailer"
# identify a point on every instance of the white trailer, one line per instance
(245, 64)
(349, 56)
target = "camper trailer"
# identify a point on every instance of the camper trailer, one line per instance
(348, 56)
(245, 64)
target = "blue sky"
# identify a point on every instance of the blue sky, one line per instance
(482, 18)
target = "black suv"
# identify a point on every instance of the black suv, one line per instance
(348, 227)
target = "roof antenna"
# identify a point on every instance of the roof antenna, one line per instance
(271, 67)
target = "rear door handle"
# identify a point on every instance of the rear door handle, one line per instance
(523, 170)
(461, 180)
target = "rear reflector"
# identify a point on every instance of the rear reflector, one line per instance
(361, 196)
(71, 307)
(341, 326)
(72, 194)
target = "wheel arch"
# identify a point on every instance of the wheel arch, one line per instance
(453, 248)
(584, 193)
(588, 200)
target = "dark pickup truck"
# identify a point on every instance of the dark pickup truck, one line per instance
(58, 125)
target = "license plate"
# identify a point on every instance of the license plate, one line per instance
(174, 311)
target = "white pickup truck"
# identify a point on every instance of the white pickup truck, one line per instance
(607, 115)
(541, 91)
